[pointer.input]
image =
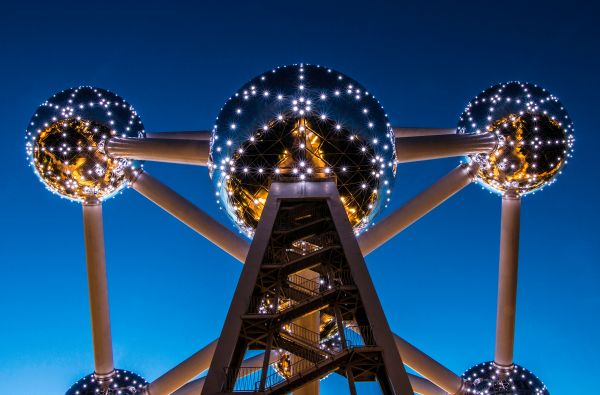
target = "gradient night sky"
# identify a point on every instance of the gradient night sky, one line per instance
(170, 289)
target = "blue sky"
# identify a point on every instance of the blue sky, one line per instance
(177, 64)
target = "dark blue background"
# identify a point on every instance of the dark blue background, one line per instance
(177, 63)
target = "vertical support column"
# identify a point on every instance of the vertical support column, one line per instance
(507, 279)
(339, 322)
(93, 232)
(351, 385)
(312, 322)
(265, 365)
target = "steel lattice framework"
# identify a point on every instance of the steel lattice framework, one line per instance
(86, 144)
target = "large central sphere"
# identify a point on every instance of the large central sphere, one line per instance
(300, 123)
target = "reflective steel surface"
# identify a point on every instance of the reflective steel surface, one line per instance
(302, 122)
(65, 142)
(489, 379)
(122, 382)
(535, 136)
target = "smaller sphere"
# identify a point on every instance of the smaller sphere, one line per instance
(534, 131)
(489, 379)
(66, 138)
(121, 382)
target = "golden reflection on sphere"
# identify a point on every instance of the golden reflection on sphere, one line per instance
(300, 123)
(66, 138)
(69, 159)
(535, 136)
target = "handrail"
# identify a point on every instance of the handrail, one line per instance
(247, 379)
(296, 369)
(302, 334)
(308, 285)
(332, 281)
(359, 336)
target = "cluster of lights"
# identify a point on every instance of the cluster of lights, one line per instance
(66, 138)
(300, 123)
(283, 366)
(534, 131)
(490, 379)
(120, 382)
(332, 344)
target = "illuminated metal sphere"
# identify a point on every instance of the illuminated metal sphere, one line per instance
(489, 379)
(302, 122)
(122, 382)
(65, 142)
(535, 136)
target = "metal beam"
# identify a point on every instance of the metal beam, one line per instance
(413, 149)
(507, 279)
(199, 135)
(93, 231)
(415, 132)
(188, 152)
(192, 216)
(416, 208)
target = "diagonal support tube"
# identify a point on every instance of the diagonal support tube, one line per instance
(412, 149)
(191, 215)
(184, 372)
(93, 232)
(507, 279)
(424, 387)
(198, 135)
(428, 367)
(190, 152)
(416, 132)
(416, 208)
(191, 388)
